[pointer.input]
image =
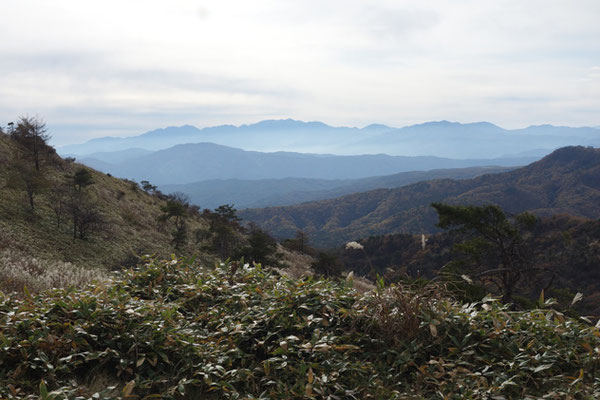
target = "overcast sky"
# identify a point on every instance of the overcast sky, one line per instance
(98, 68)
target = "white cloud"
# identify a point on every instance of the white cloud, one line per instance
(158, 62)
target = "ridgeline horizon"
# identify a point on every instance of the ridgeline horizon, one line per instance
(435, 138)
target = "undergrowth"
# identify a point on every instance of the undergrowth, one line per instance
(171, 329)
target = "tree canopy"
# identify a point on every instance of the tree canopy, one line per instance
(496, 244)
(33, 134)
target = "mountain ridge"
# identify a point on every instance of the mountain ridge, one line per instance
(187, 163)
(289, 191)
(437, 138)
(556, 184)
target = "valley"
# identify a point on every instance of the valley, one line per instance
(273, 200)
(564, 182)
(122, 261)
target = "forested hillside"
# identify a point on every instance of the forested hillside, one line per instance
(188, 163)
(566, 248)
(288, 191)
(566, 181)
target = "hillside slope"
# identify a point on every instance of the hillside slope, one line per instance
(188, 163)
(566, 181)
(127, 218)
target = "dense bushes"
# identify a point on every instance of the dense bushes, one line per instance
(171, 328)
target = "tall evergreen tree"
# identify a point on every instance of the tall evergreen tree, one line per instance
(31, 132)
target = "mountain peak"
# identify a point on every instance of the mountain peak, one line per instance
(447, 125)
(574, 156)
(483, 124)
(376, 127)
(285, 124)
(439, 123)
(171, 130)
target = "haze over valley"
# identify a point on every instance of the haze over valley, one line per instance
(188, 160)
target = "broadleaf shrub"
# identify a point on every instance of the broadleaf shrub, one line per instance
(172, 329)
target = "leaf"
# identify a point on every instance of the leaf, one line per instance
(541, 299)
(350, 277)
(587, 346)
(153, 360)
(466, 278)
(27, 295)
(343, 347)
(488, 297)
(128, 388)
(577, 298)
(43, 390)
(311, 376)
(542, 368)
(13, 390)
(324, 347)
(433, 330)
(164, 357)
(140, 361)
(578, 379)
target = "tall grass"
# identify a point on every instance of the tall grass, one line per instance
(20, 272)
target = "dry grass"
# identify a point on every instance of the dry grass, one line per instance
(296, 264)
(19, 271)
(129, 216)
(360, 283)
(395, 312)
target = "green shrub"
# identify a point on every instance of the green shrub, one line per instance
(173, 329)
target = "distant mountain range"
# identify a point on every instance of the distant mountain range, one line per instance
(190, 163)
(269, 135)
(441, 139)
(566, 181)
(287, 191)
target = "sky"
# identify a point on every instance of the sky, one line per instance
(120, 68)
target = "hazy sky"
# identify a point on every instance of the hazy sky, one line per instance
(97, 68)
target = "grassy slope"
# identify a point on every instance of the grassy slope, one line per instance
(173, 330)
(130, 220)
